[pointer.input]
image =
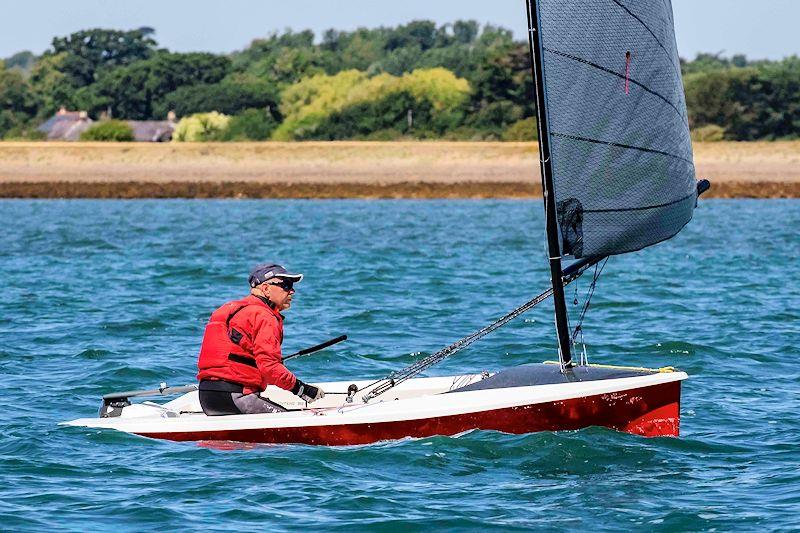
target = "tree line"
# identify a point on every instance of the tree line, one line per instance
(417, 80)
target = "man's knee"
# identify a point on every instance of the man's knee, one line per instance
(251, 404)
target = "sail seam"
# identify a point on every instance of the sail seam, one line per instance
(620, 76)
(651, 32)
(679, 200)
(618, 145)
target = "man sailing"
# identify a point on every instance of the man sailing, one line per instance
(241, 350)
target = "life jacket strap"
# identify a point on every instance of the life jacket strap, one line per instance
(242, 359)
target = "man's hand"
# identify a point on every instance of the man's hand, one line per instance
(309, 393)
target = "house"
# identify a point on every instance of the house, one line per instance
(66, 125)
(153, 130)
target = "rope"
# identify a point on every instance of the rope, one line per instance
(399, 376)
(598, 269)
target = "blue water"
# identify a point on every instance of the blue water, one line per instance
(111, 295)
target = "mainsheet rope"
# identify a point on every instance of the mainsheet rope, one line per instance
(399, 376)
(598, 269)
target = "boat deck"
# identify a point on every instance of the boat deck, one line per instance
(551, 374)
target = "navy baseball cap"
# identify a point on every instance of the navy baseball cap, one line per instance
(262, 273)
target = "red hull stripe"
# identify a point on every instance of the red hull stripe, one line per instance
(652, 411)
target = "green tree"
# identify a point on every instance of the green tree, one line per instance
(250, 125)
(49, 85)
(418, 33)
(23, 61)
(501, 81)
(465, 31)
(135, 91)
(358, 50)
(282, 59)
(230, 96)
(525, 129)
(760, 102)
(89, 53)
(351, 104)
(17, 105)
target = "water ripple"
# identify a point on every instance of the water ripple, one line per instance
(111, 295)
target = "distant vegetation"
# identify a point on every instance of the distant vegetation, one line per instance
(414, 81)
(109, 130)
(202, 127)
(746, 100)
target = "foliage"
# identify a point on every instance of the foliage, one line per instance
(282, 59)
(305, 104)
(230, 96)
(360, 84)
(89, 53)
(437, 86)
(250, 125)
(711, 62)
(709, 133)
(755, 102)
(22, 61)
(14, 91)
(201, 127)
(109, 130)
(134, 91)
(351, 104)
(24, 132)
(49, 85)
(17, 105)
(525, 129)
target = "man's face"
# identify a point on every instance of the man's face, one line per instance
(280, 292)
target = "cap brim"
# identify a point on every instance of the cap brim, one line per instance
(296, 278)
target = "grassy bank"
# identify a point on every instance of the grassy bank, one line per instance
(343, 169)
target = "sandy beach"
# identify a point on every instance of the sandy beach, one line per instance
(344, 170)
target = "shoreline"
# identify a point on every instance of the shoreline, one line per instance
(429, 169)
(410, 190)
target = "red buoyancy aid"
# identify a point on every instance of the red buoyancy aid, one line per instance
(226, 353)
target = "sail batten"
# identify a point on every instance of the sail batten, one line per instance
(618, 145)
(623, 175)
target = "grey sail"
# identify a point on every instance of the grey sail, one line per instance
(623, 172)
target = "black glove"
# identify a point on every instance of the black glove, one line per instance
(309, 393)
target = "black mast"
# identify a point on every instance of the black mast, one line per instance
(553, 241)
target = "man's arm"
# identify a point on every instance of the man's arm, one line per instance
(267, 351)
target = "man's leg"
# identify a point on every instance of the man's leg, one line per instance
(253, 404)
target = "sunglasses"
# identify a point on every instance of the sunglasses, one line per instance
(286, 285)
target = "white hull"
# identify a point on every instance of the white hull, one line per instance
(647, 404)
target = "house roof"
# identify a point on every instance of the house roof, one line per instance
(152, 130)
(66, 125)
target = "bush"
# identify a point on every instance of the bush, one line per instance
(384, 135)
(354, 105)
(26, 132)
(709, 134)
(522, 130)
(109, 131)
(250, 125)
(201, 127)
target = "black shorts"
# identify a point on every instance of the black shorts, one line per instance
(220, 398)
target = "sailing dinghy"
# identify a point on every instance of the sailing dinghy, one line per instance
(617, 175)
